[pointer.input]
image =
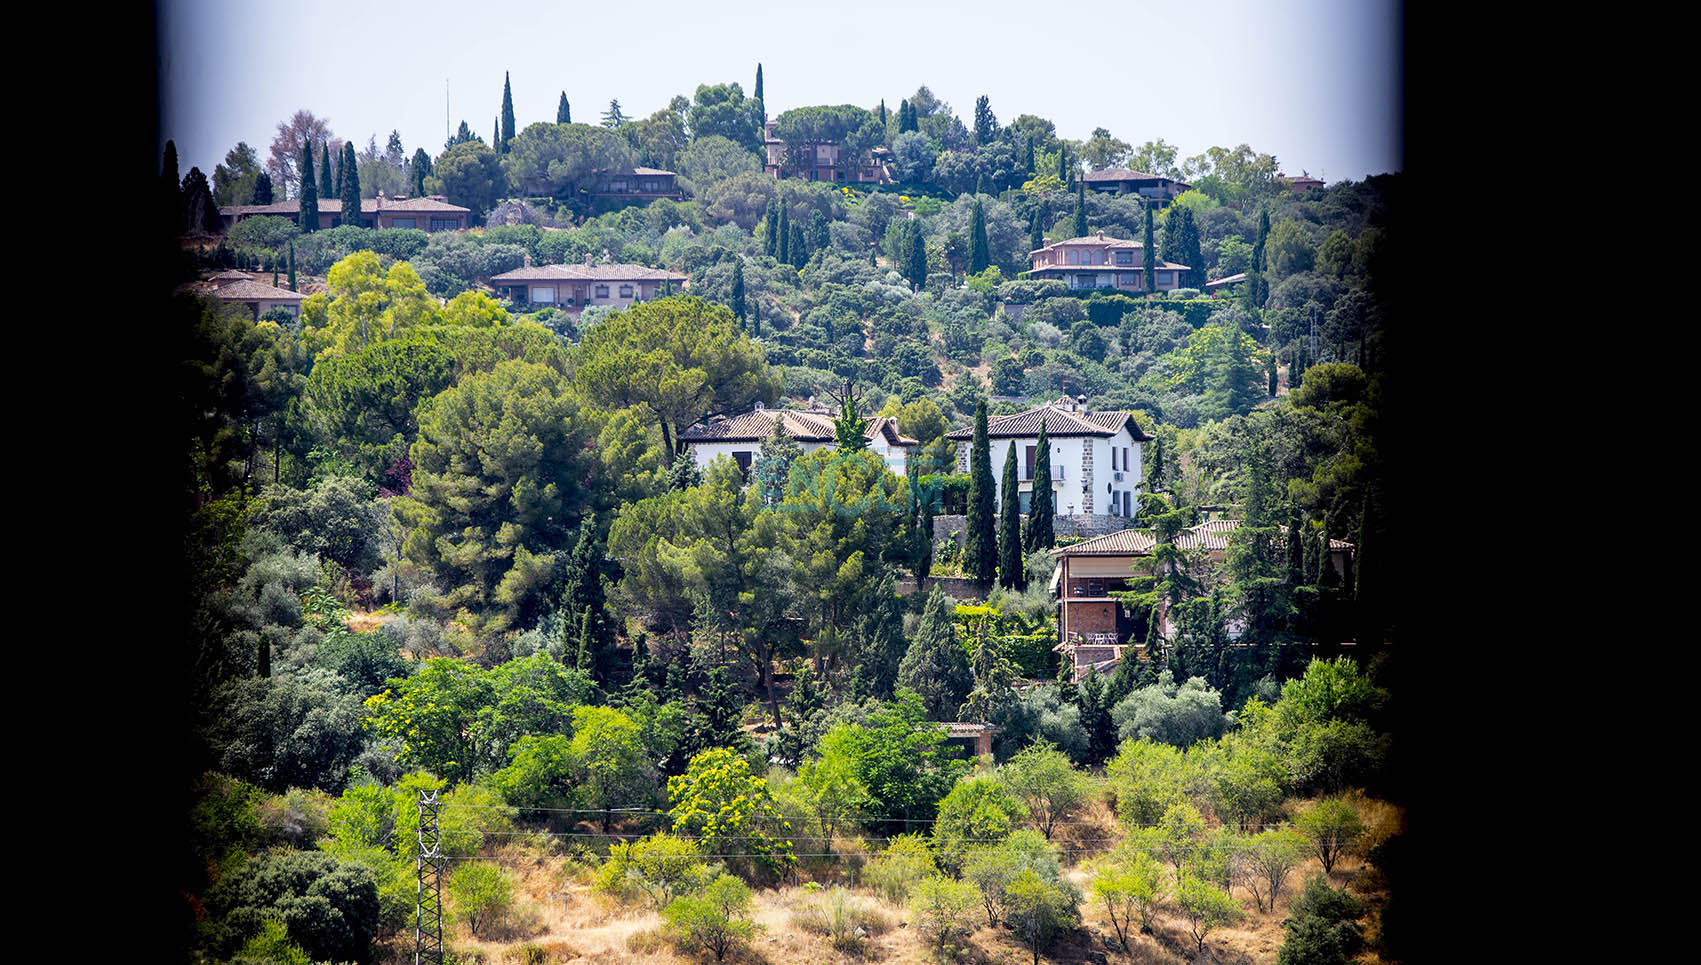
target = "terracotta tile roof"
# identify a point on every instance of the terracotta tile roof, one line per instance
(1097, 241)
(1059, 423)
(1230, 280)
(1211, 535)
(963, 728)
(586, 273)
(367, 206)
(802, 426)
(249, 291)
(1160, 266)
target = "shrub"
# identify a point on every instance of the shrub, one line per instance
(906, 861)
(481, 894)
(1205, 906)
(1037, 908)
(943, 910)
(845, 919)
(1179, 715)
(660, 867)
(714, 920)
(1334, 826)
(978, 811)
(1322, 927)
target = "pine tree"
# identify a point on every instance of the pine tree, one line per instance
(1010, 573)
(351, 186)
(935, 665)
(1149, 255)
(563, 111)
(1081, 210)
(507, 113)
(292, 267)
(327, 178)
(613, 116)
(309, 208)
(738, 292)
(262, 189)
(1040, 532)
(980, 557)
(979, 254)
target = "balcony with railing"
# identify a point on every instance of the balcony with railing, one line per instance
(1059, 472)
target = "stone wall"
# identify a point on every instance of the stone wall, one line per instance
(1070, 526)
(955, 587)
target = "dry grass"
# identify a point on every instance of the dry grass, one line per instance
(560, 920)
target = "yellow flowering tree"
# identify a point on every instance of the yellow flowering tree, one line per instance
(731, 813)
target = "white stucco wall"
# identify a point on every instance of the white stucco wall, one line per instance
(1068, 455)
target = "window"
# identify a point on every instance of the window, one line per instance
(403, 222)
(1125, 257)
(1074, 257)
(618, 185)
(625, 291)
(602, 291)
(545, 295)
(444, 224)
(743, 460)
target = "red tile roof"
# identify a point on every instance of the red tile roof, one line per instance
(1059, 423)
(253, 291)
(802, 426)
(585, 273)
(1127, 174)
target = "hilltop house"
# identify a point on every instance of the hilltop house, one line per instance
(741, 436)
(826, 161)
(573, 288)
(1301, 183)
(247, 288)
(636, 184)
(1094, 629)
(1095, 461)
(433, 213)
(1095, 261)
(1124, 181)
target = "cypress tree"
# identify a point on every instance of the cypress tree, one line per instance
(309, 215)
(1272, 365)
(327, 180)
(980, 558)
(1010, 573)
(586, 645)
(819, 236)
(417, 171)
(1095, 707)
(979, 256)
(351, 186)
(563, 111)
(262, 189)
(507, 113)
(796, 247)
(1081, 210)
(918, 259)
(1326, 575)
(758, 94)
(1036, 230)
(1296, 550)
(1028, 158)
(1040, 509)
(496, 134)
(1255, 277)
(1149, 255)
(1063, 164)
(935, 665)
(923, 539)
(782, 244)
(738, 292)
(582, 604)
(292, 267)
(882, 115)
(756, 318)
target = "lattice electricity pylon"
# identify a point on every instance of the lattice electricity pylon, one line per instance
(428, 912)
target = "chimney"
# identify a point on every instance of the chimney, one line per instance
(1080, 403)
(587, 259)
(1101, 234)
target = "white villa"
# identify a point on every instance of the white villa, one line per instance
(741, 437)
(1095, 457)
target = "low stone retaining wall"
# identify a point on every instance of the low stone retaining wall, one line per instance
(1070, 526)
(955, 587)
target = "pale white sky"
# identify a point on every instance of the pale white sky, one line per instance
(1314, 82)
